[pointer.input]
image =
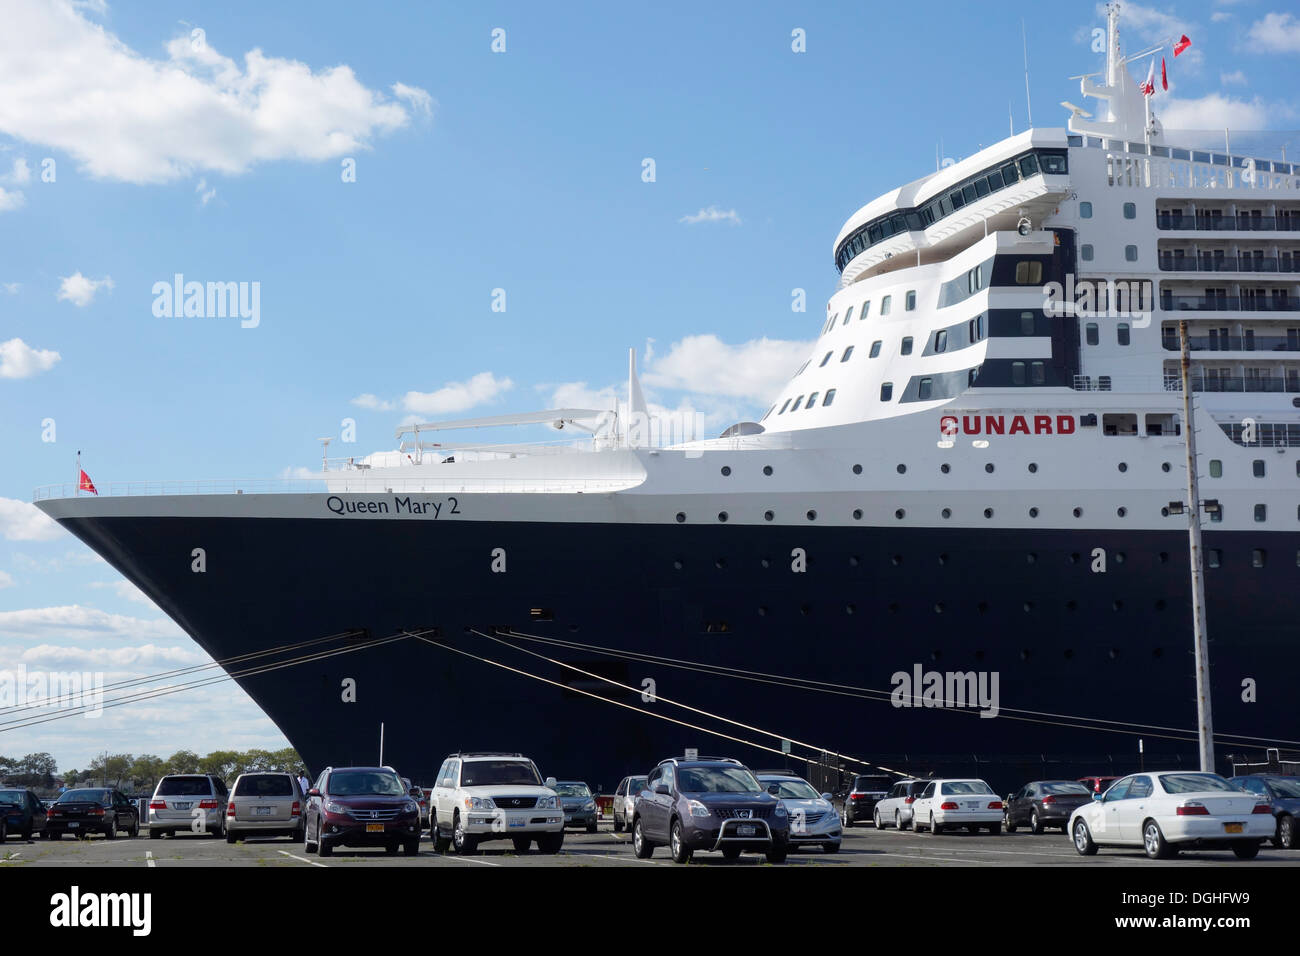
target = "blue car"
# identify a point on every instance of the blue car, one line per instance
(1284, 794)
(24, 813)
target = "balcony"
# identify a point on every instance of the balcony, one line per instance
(1172, 262)
(1226, 223)
(1227, 303)
(1233, 343)
(1235, 383)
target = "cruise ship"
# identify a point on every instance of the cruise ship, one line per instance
(957, 541)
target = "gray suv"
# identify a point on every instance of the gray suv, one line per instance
(265, 803)
(707, 804)
(194, 802)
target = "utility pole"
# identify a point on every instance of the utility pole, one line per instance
(1205, 721)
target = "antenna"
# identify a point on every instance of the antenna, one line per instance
(324, 452)
(1029, 105)
(1011, 122)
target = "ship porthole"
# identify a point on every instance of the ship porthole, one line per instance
(857, 514)
(681, 516)
(1123, 466)
(945, 468)
(857, 469)
(726, 471)
(1033, 512)
(938, 608)
(946, 512)
(849, 609)
(1164, 512)
(1121, 511)
(812, 515)
(1078, 512)
(1120, 556)
(899, 514)
(1031, 558)
(1164, 466)
(901, 469)
(989, 468)
(1033, 467)
(722, 516)
(768, 515)
(762, 612)
(988, 512)
(765, 562)
(853, 560)
(767, 469)
(677, 565)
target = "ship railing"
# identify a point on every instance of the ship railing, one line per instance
(1265, 434)
(1136, 164)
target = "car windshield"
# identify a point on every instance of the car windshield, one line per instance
(12, 796)
(1063, 786)
(872, 784)
(716, 780)
(1195, 783)
(499, 773)
(636, 784)
(263, 785)
(184, 787)
(84, 796)
(964, 786)
(793, 789)
(365, 783)
(1285, 786)
(573, 789)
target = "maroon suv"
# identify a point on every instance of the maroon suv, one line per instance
(361, 806)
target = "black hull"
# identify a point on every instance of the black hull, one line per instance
(1063, 640)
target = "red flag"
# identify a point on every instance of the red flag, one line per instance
(85, 484)
(1182, 45)
(1164, 77)
(1149, 84)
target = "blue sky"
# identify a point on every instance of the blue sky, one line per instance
(475, 171)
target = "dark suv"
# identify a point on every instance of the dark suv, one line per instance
(708, 804)
(857, 804)
(1044, 803)
(361, 806)
(22, 811)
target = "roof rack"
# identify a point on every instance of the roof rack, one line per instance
(702, 759)
(485, 753)
(776, 773)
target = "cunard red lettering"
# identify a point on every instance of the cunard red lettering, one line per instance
(1065, 424)
(967, 427)
(948, 425)
(1042, 424)
(1019, 426)
(995, 424)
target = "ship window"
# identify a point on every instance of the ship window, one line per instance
(968, 194)
(955, 197)
(1261, 512)
(826, 358)
(1054, 165)
(866, 309)
(924, 389)
(1017, 373)
(1026, 323)
(875, 351)
(1257, 557)
(812, 400)
(1257, 467)
(1029, 272)
(1130, 210)
(847, 352)
(1090, 333)
(1029, 166)
(1131, 253)
(940, 340)
(907, 345)
(784, 407)
(886, 391)
(1085, 210)
(885, 303)
(1217, 513)
(898, 222)
(1214, 557)
(1037, 373)
(910, 302)
(981, 187)
(1085, 252)
(848, 314)
(1010, 174)
(995, 180)
(797, 402)
(1216, 468)
(830, 397)
(1121, 333)
(979, 327)
(1103, 385)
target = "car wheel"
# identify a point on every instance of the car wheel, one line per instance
(411, 847)
(308, 844)
(898, 820)
(618, 825)
(230, 837)
(390, 849)
(830, 848)
(677, 848)
(27, 832)
(731, 852)
(995, 829)
(1246, 849)
(135, 828)
(1006, 821)
(466, 843)
(155, 833)
(326, 848)
(440, 843)
(1285, 832)
(110, 831)
(875, 818)
(642, 847)
(522, 843)
(1154, 842)
(847, 820)
(778, 852)
(550, 843)
(1083, 839)
(1035, 824)
(972, 828)
(935, 828)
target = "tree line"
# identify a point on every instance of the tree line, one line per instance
(138, 773)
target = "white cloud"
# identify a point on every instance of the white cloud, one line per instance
(76, 621)
(1220, 16)
(20, 360)
(705, 365)
(457, 396)
(419, 99)
(73, 85)
(21, 521)
(1236, 77)
(205, 194)
(1152, 26)
(80, 290)
(712, 214)
(1214, 111)
(152, 656)
(6, 580)
(11, 287)
(125, 590)
(372, 402)
(10, 200)
(1276, 33)
(20, 175)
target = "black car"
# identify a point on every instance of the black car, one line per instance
(1044, 803)
(21, 813)
(856, 804)
(1284, 794)
(708, 804)
(87, 811)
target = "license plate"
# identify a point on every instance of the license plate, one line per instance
(568, 817)
(73, 824)
(518, 823)
(972, 804)
(1232, 828)
(182, 806)
(374, 828)
(746, 831)
(262, 811)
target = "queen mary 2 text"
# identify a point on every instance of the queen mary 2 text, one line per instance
(950, 425)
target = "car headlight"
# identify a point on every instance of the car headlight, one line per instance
(548, 803)
(589, 805)
(331, 807)
(698, 809)
(412, 806)
(780, 810)
(479, 803)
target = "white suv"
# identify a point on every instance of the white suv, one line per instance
(491, 796)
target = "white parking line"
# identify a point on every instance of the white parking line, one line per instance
(301, 859)
(616, 859)
(13, 858)
(148, 859)
(469, 859)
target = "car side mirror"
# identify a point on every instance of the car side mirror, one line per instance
(661, 788)
(774, 789)
(1097, 795)
(827, 797)
(551, 782)
(313, 792)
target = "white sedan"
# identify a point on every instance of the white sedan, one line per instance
(1165, 812)
(948, 804)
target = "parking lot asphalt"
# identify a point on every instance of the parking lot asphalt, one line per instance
(862, 846)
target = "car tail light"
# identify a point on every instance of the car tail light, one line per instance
(908, 799)
(1193, 809)
(157, 804)
(296, 811)
(948, 805)
(857, 796)
(1262, 808)
(96, 811)
(1048, 801)
(230, 809)
(51, 812)
(995, 805)
(207, 804)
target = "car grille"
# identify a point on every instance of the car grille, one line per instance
(373, 815)
(519, 803)
(811, 818)
(758, 813)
